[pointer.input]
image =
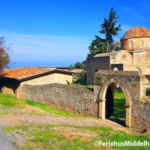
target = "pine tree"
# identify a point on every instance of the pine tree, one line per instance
(110, 28)
(98, 45)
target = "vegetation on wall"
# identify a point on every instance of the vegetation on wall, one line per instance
(80, 78)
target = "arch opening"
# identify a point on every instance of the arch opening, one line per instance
(131, 45)
(115, 102)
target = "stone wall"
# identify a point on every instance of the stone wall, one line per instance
(135, 43)
(50, 78)
(141, 115)
(141, 57)
(122, 57)
(94, 64)
(74, 99)
(133, 86)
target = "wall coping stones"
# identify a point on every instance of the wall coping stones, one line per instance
(118, 73)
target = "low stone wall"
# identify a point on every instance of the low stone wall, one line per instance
(141, 115)
(74, 99)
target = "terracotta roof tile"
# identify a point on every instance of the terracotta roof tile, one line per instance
(137, 32)
(21, 73)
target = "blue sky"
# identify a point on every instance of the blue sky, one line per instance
(58, 32)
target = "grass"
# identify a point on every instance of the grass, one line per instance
(9, 101)
(119, 102)
(83, 85)
(62, 138)
(148, 92)
(50, 109)
(59, 137)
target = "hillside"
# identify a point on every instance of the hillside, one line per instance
(27, 125)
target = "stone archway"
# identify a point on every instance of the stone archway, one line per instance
(102, 100)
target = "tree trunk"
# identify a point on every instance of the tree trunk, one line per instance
(107, 46)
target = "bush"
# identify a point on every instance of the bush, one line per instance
(80, 78)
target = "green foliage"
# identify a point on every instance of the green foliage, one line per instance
(80, 78)
(4, 57)
(79, 65)
(84, 63)
(109, 28)
(71, 67)
(148, 92)
(97, 46)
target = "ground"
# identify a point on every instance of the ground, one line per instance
(28, 125)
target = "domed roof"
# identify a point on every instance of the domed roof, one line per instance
(137, 32)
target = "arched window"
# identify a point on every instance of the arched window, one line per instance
(96, 70)
(131, 44)
(142, 44)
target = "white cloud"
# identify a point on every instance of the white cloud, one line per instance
(63, 50)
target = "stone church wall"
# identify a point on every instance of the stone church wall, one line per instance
(135, 43)
(95, 64)
(141, 57)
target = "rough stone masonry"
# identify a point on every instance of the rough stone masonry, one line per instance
(74, 99)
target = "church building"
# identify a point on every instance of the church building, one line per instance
(133, 56)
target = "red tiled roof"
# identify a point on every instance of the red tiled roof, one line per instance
(137, 32)
(21, 73)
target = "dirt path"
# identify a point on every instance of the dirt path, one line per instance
(20, 119)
